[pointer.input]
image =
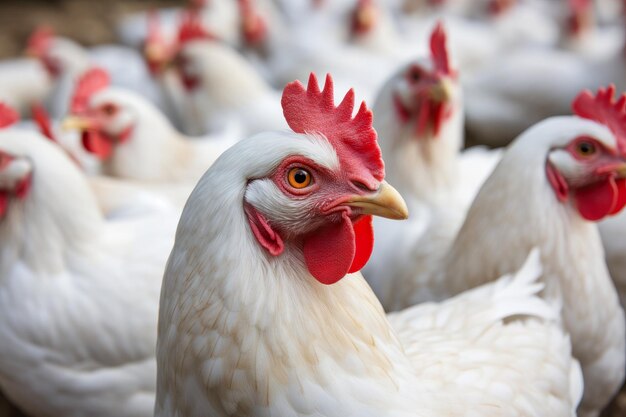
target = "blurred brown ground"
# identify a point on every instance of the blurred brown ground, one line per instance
(92, 22)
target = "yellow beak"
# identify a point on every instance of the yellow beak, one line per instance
(75, 123)
(621, 170)
(442, 91)
(387, 202)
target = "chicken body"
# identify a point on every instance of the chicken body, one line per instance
(245, 333)
(572, 253)
(79, 295)
(419, 116)
(23, 82)
(222, 85)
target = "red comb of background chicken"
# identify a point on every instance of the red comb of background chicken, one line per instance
(8, 115)
(40, 40)
(364, 16)
(439, 51)
(499, 7)
(253, 25)
(581, 16)
(191, 28)
(602, 108)
(42, 119)
(94, 80)
(309, 110)
(154, 35)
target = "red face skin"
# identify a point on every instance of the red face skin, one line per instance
(95, 139)
(19, 189)
(364, 18)
(500, 7)
(190, 81)
(336, 239)
(602, 190)
(427, 112)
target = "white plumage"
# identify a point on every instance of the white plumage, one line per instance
(243, 333)
(79, 294)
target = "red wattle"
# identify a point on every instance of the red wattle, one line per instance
(4, 203)
(598, 200)
(439, 111)
(329, 252)
(97, 144)
(364, 233)
(621, 196)
(423, 117)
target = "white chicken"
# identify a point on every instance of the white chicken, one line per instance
(134, 139)
(248, 328)
(23, 82)
(219, 83)
(419, 117)
(65, 61)
(553, 182)
(79, 295)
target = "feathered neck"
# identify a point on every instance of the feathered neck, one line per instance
(153, 141)
(424, 168)
(228, 80)
(516, 210)
(58, 221)
(282, 323)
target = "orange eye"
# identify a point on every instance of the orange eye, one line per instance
(109, 109)
(299, 178)
(585, 148)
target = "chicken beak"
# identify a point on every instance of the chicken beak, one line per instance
(442, 91)
(621, 170)
(386, 202)
(76, 123)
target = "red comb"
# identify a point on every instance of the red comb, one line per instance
(42, 119)
(191, 28)
(40, 40)
(154, 28)
(309, 110)
(94, 80)
(8, 116)
(602, 108)
(580, 6)
(439, 50)
(253, 24)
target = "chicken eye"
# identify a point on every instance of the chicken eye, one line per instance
(585, 148)
(414, 74)
(109, 109)
(299, 178)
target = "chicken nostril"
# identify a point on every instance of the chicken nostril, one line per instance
(362, 186)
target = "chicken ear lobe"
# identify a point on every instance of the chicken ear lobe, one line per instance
(263, 232)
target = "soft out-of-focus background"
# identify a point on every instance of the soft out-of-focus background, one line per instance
(90, 22)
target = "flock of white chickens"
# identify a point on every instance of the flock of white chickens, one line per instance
(182, 223)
